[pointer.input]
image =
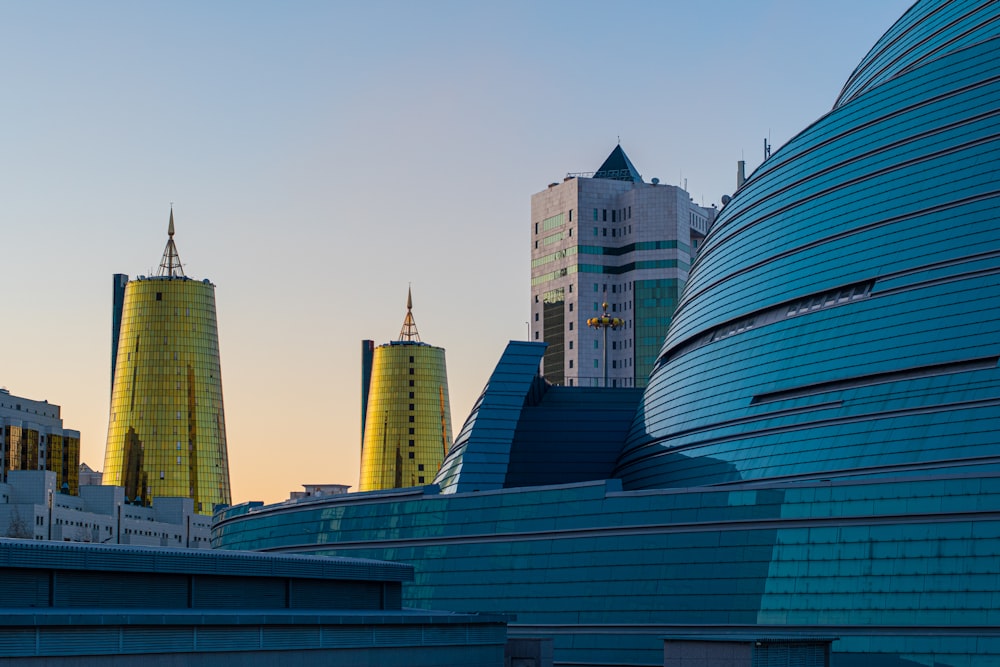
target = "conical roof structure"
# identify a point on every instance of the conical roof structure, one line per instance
(617, 167)
(170, 265)
(409, 330)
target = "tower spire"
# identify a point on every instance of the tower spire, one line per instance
(170, 265)
(409, 330)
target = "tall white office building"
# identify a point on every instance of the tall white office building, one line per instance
(609, 237)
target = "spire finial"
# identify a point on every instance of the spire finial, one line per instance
(170, 264)
(409, 330)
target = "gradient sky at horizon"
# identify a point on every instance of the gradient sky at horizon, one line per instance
(322, 156)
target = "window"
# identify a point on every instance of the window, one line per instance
(536, 227)
(570, 326)
(420, 467)
(420, 479)
(411, 373)
(571, 215)
(159, 296)
(411, 430)
(536, 298)
(411, 419)
(412, 443)
(613, 216)
(604, 231)
(409, 455)
(571, 346)
(595, 215)
(571, 307)
(570, 289)
(605, 215)
(411, 406)
(536, 317)
(536, 335)
(411, 360)
(571, 363)
(411, 381)
(411, 394)
(595, 363)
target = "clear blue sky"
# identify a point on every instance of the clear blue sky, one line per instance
(321, 156)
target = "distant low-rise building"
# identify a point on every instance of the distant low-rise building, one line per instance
(32, 437)
(32, 508)
(88, 476)
(318, 491)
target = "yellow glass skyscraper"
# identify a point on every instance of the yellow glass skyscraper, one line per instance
(167, 427)
(406, 417)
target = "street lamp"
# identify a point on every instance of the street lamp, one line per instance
(605, 322)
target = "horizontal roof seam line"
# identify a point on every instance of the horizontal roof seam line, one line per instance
(937, 208)
(775, 523)
(822, 423)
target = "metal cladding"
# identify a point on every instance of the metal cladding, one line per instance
(841, 318)
(167, 425)
(406, 426)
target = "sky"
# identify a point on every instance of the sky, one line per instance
(322, 157)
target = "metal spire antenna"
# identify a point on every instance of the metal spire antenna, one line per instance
(409, 330)
(170, 265)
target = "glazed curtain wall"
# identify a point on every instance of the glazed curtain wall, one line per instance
(903, 572)
(408, 419)
(841, 318)
(167, 429)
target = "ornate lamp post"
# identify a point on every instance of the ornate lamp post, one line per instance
(605, 322)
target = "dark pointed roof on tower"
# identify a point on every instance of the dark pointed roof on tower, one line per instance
(409, 330)
(170, 265)
(618, 168)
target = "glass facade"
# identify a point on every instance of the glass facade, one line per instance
(903, 573)
(841, 317)
(32, 437)
(64, 460)
(554, 332)
(815, 453)
(408, 417)
(167, 427)
(655, 301)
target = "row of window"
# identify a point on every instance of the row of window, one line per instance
(615, 231)
(617, 214)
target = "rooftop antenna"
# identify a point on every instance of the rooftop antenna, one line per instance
(767, 148)
(170, 264)
(409, 330)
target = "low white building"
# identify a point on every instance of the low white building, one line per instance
(31, 507)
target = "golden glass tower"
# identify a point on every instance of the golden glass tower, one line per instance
(167, 427)
(405, 414)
